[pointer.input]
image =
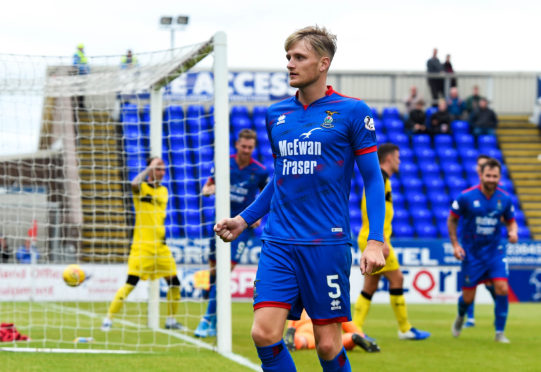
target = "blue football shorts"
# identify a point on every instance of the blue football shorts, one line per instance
(237, 246)
(313, 277)
(475, 271)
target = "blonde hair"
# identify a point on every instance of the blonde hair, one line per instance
(321, 40)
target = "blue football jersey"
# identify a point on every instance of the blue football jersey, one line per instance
(314, 148)
(245, 183)
(481, 224)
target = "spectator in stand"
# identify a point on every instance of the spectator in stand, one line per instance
(411, 100)
(434, 66)
(484, 120)
(440, 123)
(472, 102)
(26, 252)
(416, 123)
(448, 68)
(128, 60)
(455, 105)
(4, 249)
(80, 64)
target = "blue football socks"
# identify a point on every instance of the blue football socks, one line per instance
(500, 312)
(462, 306)
(276, 358)
(339, 364)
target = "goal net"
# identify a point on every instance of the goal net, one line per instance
(71, 142)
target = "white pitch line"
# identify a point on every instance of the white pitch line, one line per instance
(68, 351)
(231, 356)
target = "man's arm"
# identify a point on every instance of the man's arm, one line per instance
(228, 229)
(209, 188)
(512, 230)
(372, 258)
(452, 223)
(141, 177)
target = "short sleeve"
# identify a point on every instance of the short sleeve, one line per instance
(457, 208)
(362, 130)
(509, 213)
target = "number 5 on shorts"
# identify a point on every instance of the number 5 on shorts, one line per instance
(335, 286)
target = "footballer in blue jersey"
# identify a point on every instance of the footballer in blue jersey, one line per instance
(316, 137)
(247, 178)
(482, 209)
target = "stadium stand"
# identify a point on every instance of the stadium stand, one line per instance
(433, 170)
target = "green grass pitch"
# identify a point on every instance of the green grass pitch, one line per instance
(474, 350)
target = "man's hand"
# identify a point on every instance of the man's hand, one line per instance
(209, 189)
(513, 237)
(372, 258)
(385, 250)
(459, 252)
(229, 229)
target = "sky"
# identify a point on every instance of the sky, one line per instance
(397, 35)
(480, 35)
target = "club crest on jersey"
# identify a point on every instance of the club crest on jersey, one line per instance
(327, 122)
(369, 123)
(281, 119)
(499, 204)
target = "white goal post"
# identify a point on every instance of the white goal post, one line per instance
(65, 192)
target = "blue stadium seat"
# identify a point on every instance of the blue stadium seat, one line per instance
(429, 168)
(393, 125)
(406, 155)
(239, 123)
(195, 111)
(398, 199)
(420, 215)
(520, 217)
(464, 140)
(421, 140)
(487, 140)
(447, 154)
(401, 215)
(469, 154)
(402, 230)
(355, 216)
(174, 119)
(426, 230)
(524, 232)
(429, 112)
(378, 124)
(451, 168)
(415, 199)
(456, 183)
(129, 113)
(259, 111)
(454, 193)
(239, 110)
(399, 139)
(375, 113)
(408, 169)
(492, 152)
(172, 227)
(470, 167)
(460, 127)
(443, 141)
(382, 138)
(441, 213)
(396, 184)
(390, 113)
(472, 179)
(438, 198)
(442, 229)
(424, 154)
(411, 184)
(433, 182)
